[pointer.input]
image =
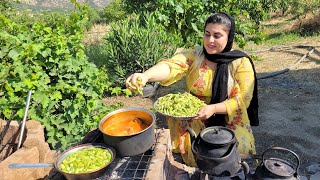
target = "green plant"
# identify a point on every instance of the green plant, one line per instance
(283, 38)
(138, 6)
(255, 57)
(48, 58)
(134, 45)
(5, 5)
(113, 12)
(186, 17)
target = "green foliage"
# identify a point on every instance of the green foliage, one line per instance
(113, 12)
(187, 17)
(48, 58)
(294, 7)
(93, 17)
(283, 38)
(138, 6)
(134, 45)
(51, 17)
(301, 7)
(255, 57)
(5, 5)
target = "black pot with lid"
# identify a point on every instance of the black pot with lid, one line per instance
(213, 142)
(216, 151)
(278, 163)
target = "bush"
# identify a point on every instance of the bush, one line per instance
(48, 58)
(134, 45)
(186, 17)
(113, 12)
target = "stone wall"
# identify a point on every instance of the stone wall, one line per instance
(9, 135)
(34, 149)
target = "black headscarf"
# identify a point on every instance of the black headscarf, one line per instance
(220, 83)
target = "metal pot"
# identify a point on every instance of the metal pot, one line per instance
(278, 163)
(216, 152)
(62, 156)
(134, 144)
(228, 165)
(213, 142)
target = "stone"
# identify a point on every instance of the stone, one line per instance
(303, 178)
(158, 166)
(315, 176)
(35, 138)
(45, 157)
(9, 137)
(163, 164)
(35, 134)
(34, 149)
(23, 155)
(9, 132)
(313, 168)
(6, 151)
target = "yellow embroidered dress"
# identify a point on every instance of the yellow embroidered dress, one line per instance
(199, 78)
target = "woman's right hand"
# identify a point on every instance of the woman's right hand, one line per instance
(136, 81)
(206, 112)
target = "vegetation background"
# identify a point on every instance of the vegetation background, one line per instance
(75, 55)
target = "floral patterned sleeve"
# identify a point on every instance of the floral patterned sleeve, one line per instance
(179, 65)
(241, 93)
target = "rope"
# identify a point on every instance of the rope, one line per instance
(281, 48)
(292, 66)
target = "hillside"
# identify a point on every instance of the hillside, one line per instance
(59, 4)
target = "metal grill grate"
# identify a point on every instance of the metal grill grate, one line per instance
(133, 168)
(130, 167)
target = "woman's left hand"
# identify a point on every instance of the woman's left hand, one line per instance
(206, 112)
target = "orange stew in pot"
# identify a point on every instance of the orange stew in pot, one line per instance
(125, 127)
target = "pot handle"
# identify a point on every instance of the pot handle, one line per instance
(245, 166)
(283, 149)
(31, 165)
(192, 134)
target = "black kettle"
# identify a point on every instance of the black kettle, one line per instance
(216, 151)
(278, 163)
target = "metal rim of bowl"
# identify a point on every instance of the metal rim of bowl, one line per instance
(125, 110)
(71, 150)
(179, 117)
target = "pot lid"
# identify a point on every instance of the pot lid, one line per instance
(279, 167)
(217, 135)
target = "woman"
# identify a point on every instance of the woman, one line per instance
(224, 78)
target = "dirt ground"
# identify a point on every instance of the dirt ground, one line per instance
(289, 104)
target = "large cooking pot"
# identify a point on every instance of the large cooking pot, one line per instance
(133, 144)
(278, 163)
(80, 176)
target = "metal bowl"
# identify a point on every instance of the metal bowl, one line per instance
(88, 175)
(172, 116)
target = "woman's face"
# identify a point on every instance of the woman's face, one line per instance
(215, 38)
